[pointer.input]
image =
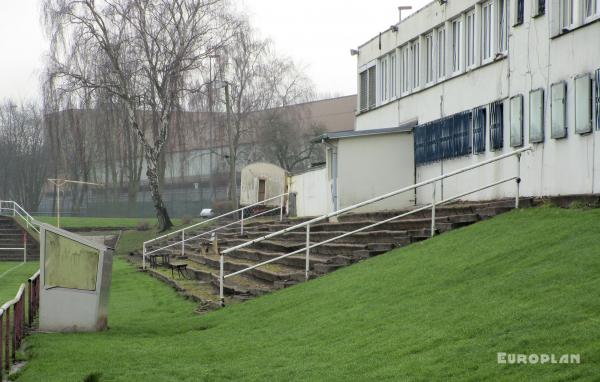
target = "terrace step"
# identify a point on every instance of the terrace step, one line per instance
(11, 236)
(204, 268)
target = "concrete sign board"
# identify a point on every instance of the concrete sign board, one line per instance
(75, 282)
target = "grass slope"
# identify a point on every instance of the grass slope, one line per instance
(524, 282)
(12, 275)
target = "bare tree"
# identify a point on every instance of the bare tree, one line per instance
(147, 48)
(22, 145)
(285, 137)
(284, 129)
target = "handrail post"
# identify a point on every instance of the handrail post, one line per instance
(433, 211)
(221, 278)
(518, 180)
(307, 265)
(281, 209)
(24, 247)
(183, 243)
(242, 224)
(144, 256)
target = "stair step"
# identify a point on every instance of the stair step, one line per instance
(325, 258)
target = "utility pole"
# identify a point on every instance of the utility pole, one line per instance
(58, 183)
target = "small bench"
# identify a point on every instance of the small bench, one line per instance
(181, 269)
(164, 257)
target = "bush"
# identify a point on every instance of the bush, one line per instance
(143, 225)
(220, 207)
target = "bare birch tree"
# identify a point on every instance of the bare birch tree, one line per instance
(149, 48)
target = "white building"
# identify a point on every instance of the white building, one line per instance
(481, 79)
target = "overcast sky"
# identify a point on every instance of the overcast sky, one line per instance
(317, 34)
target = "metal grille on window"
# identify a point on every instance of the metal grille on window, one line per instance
(479, 124)
(597, 82)
(520, 12)
(449, 137)
(496, 125)
(541, 7)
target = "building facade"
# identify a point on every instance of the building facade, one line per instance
(482, 78)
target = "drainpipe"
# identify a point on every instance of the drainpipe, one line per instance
(334, 170)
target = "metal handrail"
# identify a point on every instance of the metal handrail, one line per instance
(209, 232)
(308, 223)
(23, 214)
(239, 221)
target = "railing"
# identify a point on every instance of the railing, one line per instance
(244, 218)
(15, 209)
(13, 331)
(432, 205)
(24, 248)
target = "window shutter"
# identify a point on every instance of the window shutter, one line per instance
(516, 121)
(559, 122)
(536, 116)
(583, 104)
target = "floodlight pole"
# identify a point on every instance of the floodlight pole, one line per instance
(61, 182)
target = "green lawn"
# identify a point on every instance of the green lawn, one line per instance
(524, 282)
(91, 222)
(12, 275)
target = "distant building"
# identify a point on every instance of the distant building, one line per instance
(196, 172)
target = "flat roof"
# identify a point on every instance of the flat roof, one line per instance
(404, 128)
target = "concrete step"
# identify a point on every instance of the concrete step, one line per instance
(326, 258)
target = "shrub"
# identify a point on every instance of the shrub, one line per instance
(186, 219)
(143, 225)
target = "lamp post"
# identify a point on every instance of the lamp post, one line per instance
(58, 183)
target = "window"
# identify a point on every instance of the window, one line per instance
(470, 39)
(558, 113)
(479, 128)
(405, 71)
(502, 26)
(372, 87)
(393, 75)
(364, 90)
(486, 31)
(565, 14)
(367, 88)
(496, 125)
(539, 7)
(429, 58)
(441, 53)
(597, 82)
(519, 12)
(414, 63)
(456, 45)
(536, 116)
(516, 121)
(583, 104)
(383, 79)
(591, 8)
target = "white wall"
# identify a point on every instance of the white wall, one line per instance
(275, 183)
(537, 57)
(313, 194)
(369, 166)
